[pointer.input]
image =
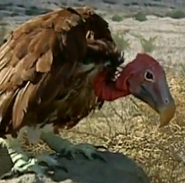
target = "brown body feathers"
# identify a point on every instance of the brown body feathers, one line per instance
(41, 77)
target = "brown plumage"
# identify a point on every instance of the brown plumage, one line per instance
(40, 58)
(55, 70)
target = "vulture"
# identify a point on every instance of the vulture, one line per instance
(57, 68)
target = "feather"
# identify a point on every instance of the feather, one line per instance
(40, 70)
(7, 100)
(20, 105)
(6, 58)
(44, 62)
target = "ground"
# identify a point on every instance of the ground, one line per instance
(128, 126)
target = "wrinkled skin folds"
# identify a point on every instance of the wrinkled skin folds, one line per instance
(145, 79)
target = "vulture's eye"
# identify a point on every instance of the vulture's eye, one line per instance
(149, 76)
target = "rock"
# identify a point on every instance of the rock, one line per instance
(117, 169)
(5, 161)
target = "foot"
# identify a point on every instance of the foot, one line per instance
(87, 150)
(41, 165)
(65, 148)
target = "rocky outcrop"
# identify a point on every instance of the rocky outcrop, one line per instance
(117, 169)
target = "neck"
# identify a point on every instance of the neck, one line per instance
(121, 82)
(111, 91)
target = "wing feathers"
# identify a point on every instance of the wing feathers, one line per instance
(4, 50)
(5, 57)
(37, 58)
(6, 75)
(44, 62)
(20, 105)
(21, 49)
(6, 100)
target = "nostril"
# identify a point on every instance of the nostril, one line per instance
(168, 101)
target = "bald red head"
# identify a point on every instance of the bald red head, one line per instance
(145, 79)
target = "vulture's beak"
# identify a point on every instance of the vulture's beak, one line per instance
(157, 95)
(166, 112)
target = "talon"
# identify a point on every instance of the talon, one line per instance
(66, 149)
(101, 147)
(16, 172)
(97, 156)
(87, 150)
(9, 175)
(68, 153)
(51, 162)
(43, 164)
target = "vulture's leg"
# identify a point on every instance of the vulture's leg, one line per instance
(66, 148)
(22, 163)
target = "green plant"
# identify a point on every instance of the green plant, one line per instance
(148, 45)
(117, 18)
(121, 42)
(140, 16)
(176, 14)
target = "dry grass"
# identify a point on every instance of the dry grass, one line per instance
(130, 127)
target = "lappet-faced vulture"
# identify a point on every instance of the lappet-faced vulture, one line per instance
(55, 69)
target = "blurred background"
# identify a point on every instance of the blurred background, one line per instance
(156, 27)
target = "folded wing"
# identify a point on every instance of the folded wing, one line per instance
(35, 56)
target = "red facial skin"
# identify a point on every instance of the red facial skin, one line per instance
(144, 78)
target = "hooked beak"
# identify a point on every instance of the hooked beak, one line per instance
(166, 113)
(158, 96)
